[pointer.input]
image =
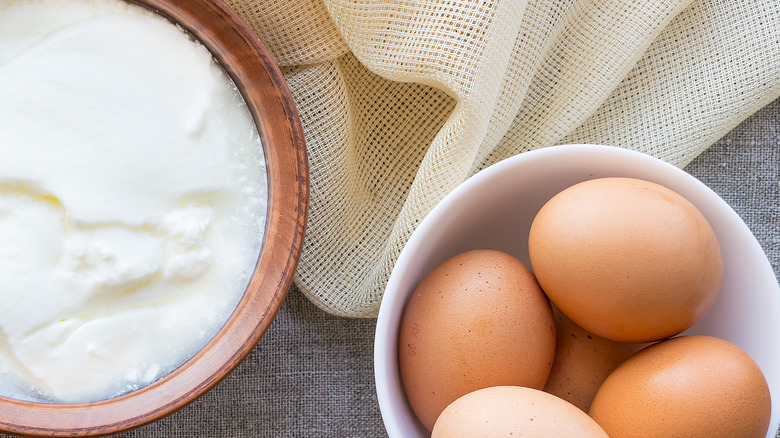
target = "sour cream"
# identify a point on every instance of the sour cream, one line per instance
(132, 198)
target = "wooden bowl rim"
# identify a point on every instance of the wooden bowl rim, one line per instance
(257, 76)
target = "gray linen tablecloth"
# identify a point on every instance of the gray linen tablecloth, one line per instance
(312, 373)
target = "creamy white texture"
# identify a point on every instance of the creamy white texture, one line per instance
(132, 198)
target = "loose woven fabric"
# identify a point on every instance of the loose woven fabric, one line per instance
(402, 100)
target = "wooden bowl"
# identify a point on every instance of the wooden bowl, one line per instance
(257, 76)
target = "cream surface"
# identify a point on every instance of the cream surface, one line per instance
(132, 198)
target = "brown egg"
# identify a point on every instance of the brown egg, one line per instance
(583, 361)
(478, 320)
(690, 386)
(626, 259)
(506, 411)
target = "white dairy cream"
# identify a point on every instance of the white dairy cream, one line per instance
(132, 198)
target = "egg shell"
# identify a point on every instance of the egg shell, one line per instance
(506, 411)
(689, 386)
(626, 259)
(477, 320)
(583, 361)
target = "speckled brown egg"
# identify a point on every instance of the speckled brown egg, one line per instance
(687, 387)
(626, 259)
(507, 411)
(477, 320)
(583, 361)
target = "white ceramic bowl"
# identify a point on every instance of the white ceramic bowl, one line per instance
(494, 209)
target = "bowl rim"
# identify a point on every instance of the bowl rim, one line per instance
(386, 372)
(257, 76)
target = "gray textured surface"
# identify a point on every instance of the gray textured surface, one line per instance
(312, 374)
(743, 168)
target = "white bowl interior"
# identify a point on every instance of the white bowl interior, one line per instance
(494, 209)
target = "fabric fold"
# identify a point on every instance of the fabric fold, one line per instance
(401, 101)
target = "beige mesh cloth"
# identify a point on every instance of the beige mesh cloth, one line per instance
(402, 100)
